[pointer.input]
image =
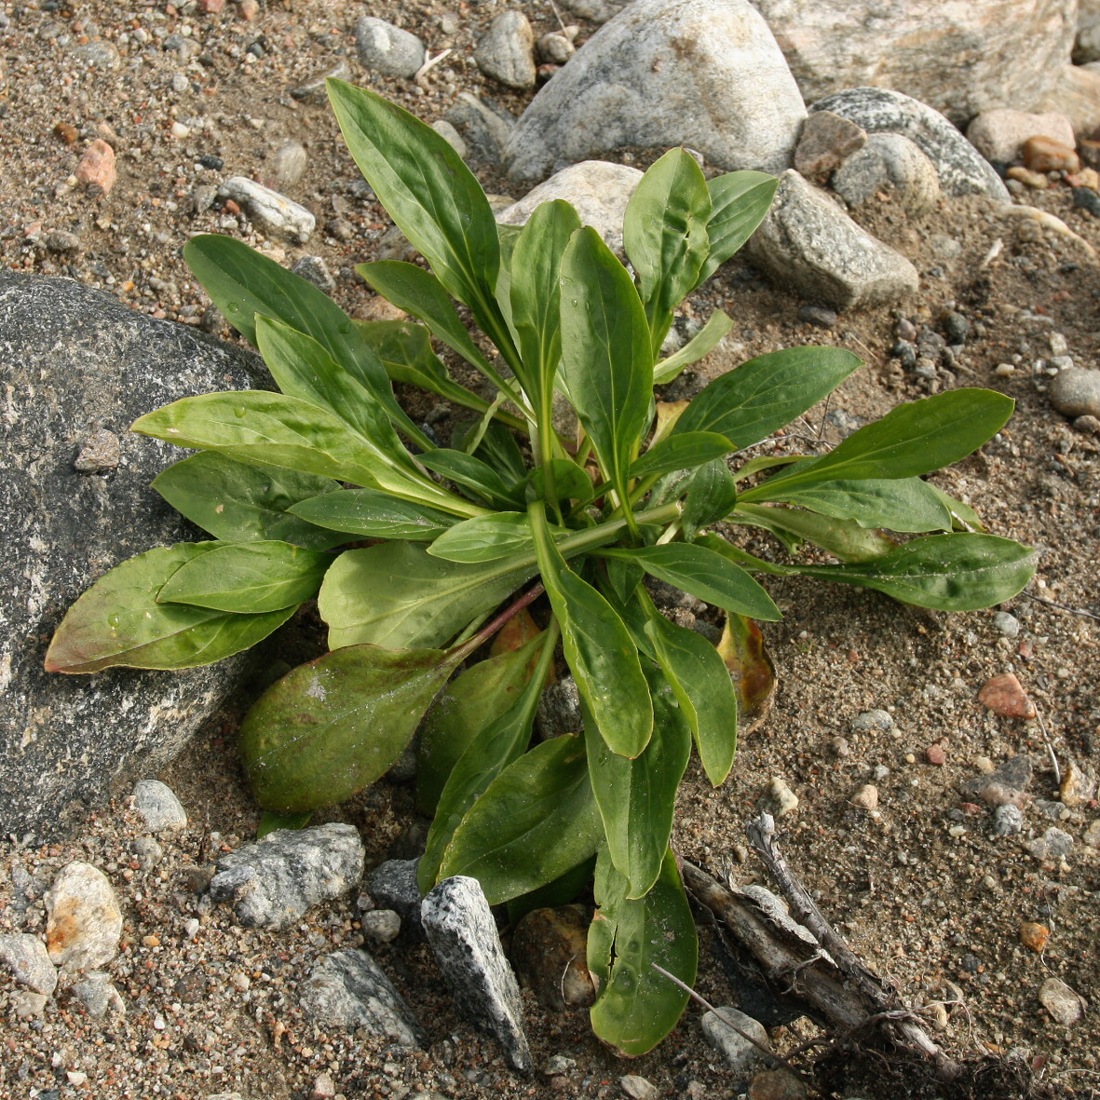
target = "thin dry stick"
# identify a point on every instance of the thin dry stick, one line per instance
(1061, 606)
(886, 1002)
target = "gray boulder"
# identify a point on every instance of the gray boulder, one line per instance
(959, 58)
(961, 169)
(704, 73)
(79, 366)
(807, 244)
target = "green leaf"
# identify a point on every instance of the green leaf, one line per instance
(271, 821)
(910, 440)
(236, 502)
(741, 201)
(118, 621)
(665, 236)
(474, 474)
(471, 702)
(701, 684)
(956, 572)
(535, 296)
(598, 650)
(266, 429)
(637, 797)
(485, 538)
(637, 1006)
(243, 284)
(905, 505)
(331, 727)
(843, 538)
(765, 394)
(374, 515)
(963, 517)
(425, 187)
(420, 293)
(496, 744)
(711, 495)
(395, 594)
(702, 343)
(534, 822)
(680, 452)
(302, 368)
(248, 578)
(607, 362)
(705, 574)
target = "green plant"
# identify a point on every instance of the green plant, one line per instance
(285, 481)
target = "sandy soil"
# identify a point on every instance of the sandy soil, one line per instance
(922, 888)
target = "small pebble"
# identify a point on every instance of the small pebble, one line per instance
(1076, 787)
(1007, 625)
(275, 212)
(776, 1084)
(1044, 154)
(1053, 844)
(289, 163)
(1076, 392)
(158, 805)
(740, 1054)
(97, 170)
(1037, 181)
(866, 798)
(819, 316)
(83, 920)
(1034, 936)
(638, 1088)
(67, 132)
(1008, 820)
(871, 720)
(1065, 1006)
(781, 798)
(1005, 696)
(935, 755)
(1085, 198)
(381, 925)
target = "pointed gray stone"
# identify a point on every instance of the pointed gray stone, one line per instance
(961, 168)
(27, 959)
(506, 52)
(704, 73)
(809, 245)
(349, 989)
(392, 885)
(271, 883)
(463, 937)
(75, 360)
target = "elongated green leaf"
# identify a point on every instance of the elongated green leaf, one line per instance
(905, 504)
(843, 538)
(425, 187)
(244, 284)
(910, 440)
(598, 649)
(469, 704)
(302, 368)
(702, 686)
(681, 452)
(534, 822)
(607, 362)
(236, 502)
(765, 394)
(473, 473)
(371, 514)
(636, 798)
(740, 200)
(118, 621)
(707, 575)
(495, 745)
(963, 517)
(420, 293)
(248, 578)
(333, 726)
(395, 594)
(485, 538)
(665, 236)
(957, 572)
(702, 343)
(266, 429)
(637, 1006)
(535, 296)
(406, 352)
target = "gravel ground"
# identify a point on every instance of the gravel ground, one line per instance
(921, 886)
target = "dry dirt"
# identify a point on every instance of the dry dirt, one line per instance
(922, 889)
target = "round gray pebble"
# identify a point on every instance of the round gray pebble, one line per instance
(1076, 392)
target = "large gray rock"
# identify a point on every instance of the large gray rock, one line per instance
(809, 245)
(463, 937)
(80, 367)
(704, 73)
(959, 58)
(962, 170)
(271, 883)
